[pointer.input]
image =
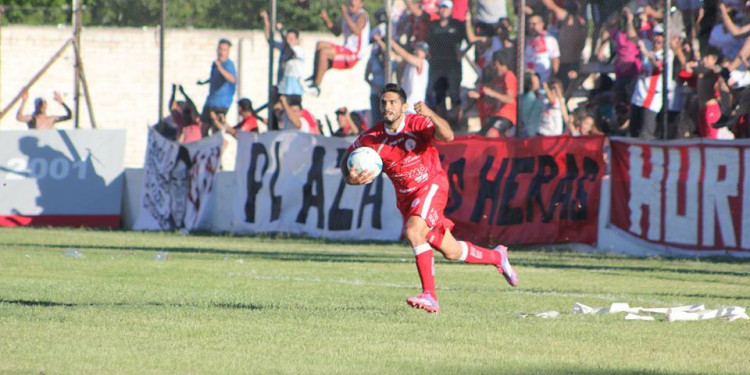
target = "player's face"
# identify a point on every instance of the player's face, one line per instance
(391, 107)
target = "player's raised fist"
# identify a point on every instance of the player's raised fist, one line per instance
(422, 109)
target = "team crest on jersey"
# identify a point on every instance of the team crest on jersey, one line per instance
(410, 144)
(415, 202)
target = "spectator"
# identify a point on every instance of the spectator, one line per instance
(189, 127)
(419, 19)
(416, 70)
(488, 16)
(542, 50)
(572, 30)
(723, 38)
(444, 38)
(291, 59)
(647, 99)
(627, 56)
(498, 100)
(739, 75)
(583, 123)
(531, 106)
(249, 116)
(375, 71)
(222, 84)
(601, 105)
(706, 76)
(690, 10)
(169, 125)
(553, 105)
(707, 19)
(39, 118)
(487, 45)
(350, 123)
(294, 117)
(355, 26)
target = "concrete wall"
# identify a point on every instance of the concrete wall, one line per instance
(122, 68)
(609, 239)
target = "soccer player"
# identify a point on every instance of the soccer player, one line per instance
(411, 161)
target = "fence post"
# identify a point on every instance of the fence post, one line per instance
(272, 21)
(520, 62)
(77, 4)
(388, 37)
(162, 25)
(666, 72)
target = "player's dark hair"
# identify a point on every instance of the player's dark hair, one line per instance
(293, 31)
(225, 41)
(393, 87)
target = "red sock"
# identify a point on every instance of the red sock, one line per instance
(426, 267)
(474, 254)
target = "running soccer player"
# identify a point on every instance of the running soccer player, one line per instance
(411, 161)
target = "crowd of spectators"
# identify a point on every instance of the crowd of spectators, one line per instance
(590, 67)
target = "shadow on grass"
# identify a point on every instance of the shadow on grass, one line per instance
(599, 267)
(559, 371)
(218, 305)
(360, 257)
(297, 256)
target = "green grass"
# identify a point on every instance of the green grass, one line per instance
(228, 305)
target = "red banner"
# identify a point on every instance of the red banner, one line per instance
(539, 190)
(692, 195)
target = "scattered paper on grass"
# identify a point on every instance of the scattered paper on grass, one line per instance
(543, 315)
(671, 314)
(632, 316)
(581, 309)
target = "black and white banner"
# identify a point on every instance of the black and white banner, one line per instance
(178, 180)
(290, 182)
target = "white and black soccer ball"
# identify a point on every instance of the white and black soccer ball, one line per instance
(365, 159)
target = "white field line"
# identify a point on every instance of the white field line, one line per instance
(357, 282)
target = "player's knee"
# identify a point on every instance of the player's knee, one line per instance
(451, 255)
(414, 234)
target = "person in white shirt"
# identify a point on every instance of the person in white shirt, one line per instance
(355, 26)
(647, 98)
(553, 102)
(542, 50)
(416, 70)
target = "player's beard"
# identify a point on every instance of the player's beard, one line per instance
(389, 117)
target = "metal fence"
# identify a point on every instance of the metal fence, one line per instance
(128, 71)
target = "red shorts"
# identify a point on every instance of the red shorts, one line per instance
(344, 58)
(706, 117)
(429, 203)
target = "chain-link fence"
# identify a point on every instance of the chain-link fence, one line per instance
(581, 70)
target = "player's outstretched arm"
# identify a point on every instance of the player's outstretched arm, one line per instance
(443, 131)
(351, 177)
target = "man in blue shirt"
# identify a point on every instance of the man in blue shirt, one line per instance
(222, 85)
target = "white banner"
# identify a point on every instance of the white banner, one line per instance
(290, 182)
(178, 182)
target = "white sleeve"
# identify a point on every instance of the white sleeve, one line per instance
(552, 47)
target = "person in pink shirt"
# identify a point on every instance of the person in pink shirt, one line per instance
(627, 57)
(189, 128)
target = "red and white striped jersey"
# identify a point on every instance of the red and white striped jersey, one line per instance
(648, 89)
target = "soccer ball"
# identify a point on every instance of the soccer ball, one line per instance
(365, 159)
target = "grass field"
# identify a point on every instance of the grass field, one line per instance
(228, 305)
